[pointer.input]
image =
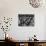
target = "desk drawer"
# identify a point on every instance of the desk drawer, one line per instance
(21, 44)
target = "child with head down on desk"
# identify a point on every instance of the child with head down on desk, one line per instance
(34, 38)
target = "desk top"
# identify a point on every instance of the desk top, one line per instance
(40, 41)
(27, 41)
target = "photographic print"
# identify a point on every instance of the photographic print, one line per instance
(25, 19)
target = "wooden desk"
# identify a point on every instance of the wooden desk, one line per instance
(31, 43)
(28, 43)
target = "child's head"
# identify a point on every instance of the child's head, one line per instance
(34, 35)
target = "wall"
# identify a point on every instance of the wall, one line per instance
(11, 8)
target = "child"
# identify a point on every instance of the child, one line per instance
(35, 38)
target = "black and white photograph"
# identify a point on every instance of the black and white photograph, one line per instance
(25, 19)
